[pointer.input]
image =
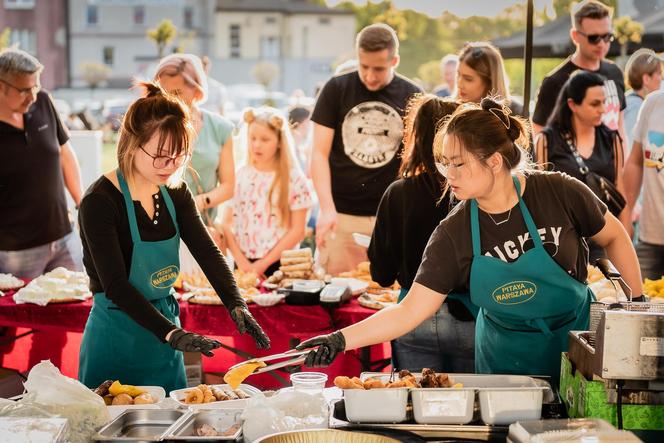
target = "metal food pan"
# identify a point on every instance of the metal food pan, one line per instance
(387, 405)
(436, 406)
(139, 425)
(186, 429)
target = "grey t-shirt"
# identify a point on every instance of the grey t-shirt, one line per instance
(649, 131)
(563, 209)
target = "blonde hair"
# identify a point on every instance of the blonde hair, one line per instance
(190, 67)
(643, 61)
(272, 118)
(485, 59)
(155, 112)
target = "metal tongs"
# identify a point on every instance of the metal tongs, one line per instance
(612, 274)
(296, 358)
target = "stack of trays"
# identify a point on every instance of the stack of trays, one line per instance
(502, 399)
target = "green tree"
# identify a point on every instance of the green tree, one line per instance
(162, 35)
(94, 74)
(429, 73)
(627, 30)
(4, 37)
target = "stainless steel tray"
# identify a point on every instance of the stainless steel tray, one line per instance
(139, 425)
(220, 420)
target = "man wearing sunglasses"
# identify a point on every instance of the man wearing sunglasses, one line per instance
(36, 163)
(592, 35)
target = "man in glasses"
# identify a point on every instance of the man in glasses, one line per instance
(36, 163)
(592, 35)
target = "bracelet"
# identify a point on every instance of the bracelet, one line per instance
(207, 200)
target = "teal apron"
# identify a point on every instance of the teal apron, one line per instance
(527, 307)
(114, 346)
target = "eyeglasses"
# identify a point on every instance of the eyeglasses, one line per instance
(163, 161)
(24, 92)
(445, 169)
(594, 39)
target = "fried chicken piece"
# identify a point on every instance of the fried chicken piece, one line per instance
(405, 373)
(373, 383)
(397, 384)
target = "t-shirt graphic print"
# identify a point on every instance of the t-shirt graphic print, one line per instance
(654, 151)
(372, 134)
(611, 115)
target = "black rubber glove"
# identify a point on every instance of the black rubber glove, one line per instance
(192, 342)
(329, 346)
(246, 322)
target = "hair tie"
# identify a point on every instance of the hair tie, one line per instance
(504, 114)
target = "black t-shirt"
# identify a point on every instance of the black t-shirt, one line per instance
(602, 161)
(408, 213)
(564, 210)
(107, 248)
(32, 193)
(368, 129)
(614, 89)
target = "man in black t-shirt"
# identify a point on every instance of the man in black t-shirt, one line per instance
(592, 34)
(36, 162)
(358, 129)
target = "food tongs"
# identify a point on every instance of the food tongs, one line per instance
(296, 358)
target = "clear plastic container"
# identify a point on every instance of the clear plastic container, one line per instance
(310, 382)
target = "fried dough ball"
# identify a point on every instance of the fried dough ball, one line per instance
(208, 397)
(397, 384)
(122, 399)
(344, 382)
(372, 383)
(195, 396)
(144, 399)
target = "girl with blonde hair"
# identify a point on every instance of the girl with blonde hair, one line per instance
(269, 209)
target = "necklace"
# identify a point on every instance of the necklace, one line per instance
(509, 214)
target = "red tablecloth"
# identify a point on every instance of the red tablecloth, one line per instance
(284, 324)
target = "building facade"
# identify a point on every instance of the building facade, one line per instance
(40, 28)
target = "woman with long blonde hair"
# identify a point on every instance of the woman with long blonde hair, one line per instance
(269, 209)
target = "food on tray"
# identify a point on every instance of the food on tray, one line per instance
(8, 282)
(208, 296)
(594, 274)
(378, 301)
(115, 393)
(57, 286)
(236, 375)
(362, 272)
(197, 279)
(429, 379)
(206, 430)
(432, 380)
(246, 280)
(210, 394)
(296, 264)
(654, 288)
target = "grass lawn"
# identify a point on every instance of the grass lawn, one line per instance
(108, 157)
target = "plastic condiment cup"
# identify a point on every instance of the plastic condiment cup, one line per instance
(310, 382)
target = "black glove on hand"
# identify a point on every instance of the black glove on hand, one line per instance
(192, 342)
(246, 322)
(328, 347)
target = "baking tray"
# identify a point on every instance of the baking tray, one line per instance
(139, 425)
(185, 428)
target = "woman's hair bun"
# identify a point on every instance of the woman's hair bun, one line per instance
(150, 89)
(489, 103)
(249, 115)
(515, 128)
(276, 122)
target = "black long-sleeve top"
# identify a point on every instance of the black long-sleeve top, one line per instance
(409, 211)
(107, 249)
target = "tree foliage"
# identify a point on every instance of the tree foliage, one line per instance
(4, 37)
(162, 35)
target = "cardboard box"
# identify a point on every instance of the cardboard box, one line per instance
(193, 368)
(589, 398)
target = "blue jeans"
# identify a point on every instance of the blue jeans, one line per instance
(33, 262)
(441, 343)
(651, 259)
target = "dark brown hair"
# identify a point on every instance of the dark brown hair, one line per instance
(424, 115)
(485, 59)
(488, 128)
(156, 112)
(378, 37)
(589, 9)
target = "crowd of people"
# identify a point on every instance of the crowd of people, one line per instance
(464, 198)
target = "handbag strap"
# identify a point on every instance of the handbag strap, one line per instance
(583, 169)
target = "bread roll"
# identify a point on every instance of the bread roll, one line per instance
(304, 252)
(122, 399)
(144, 399)
(299, 267)
(295, 261)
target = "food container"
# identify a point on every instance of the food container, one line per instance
(157, 393)
(505, 399)
(269, 299)
(325, 435)
(186, 429)
(310, 382)
(386, 405)
(144, 425)
(180, 394)
(443, 406)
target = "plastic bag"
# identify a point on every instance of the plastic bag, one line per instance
(288, 410)
(50, 391)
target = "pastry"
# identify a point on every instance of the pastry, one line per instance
(298, 267)
(9, 282)
(144, 399)
(303, 252)
(194, 396)
(122, 399)
(237, 375)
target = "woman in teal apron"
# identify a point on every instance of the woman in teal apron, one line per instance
(131, 225)
(516, 243)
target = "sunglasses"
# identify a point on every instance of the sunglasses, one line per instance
(594, 39)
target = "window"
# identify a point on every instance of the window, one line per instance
(92, 15)
(235, 41)
(19, 4)
(139, 15)
(25, 39)
(270, 47)
(108, 55)
(324, 20)
(270, 20)
(188, 18)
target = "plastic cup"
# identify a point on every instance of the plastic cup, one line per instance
(309, 382)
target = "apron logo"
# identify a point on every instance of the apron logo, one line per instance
(514, 293)
(165, 278)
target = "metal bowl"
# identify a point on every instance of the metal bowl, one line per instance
(324, 435)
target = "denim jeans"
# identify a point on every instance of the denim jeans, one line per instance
(33, 262)
(441, 343)
(651, 259)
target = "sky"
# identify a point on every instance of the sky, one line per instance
(462, 8)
